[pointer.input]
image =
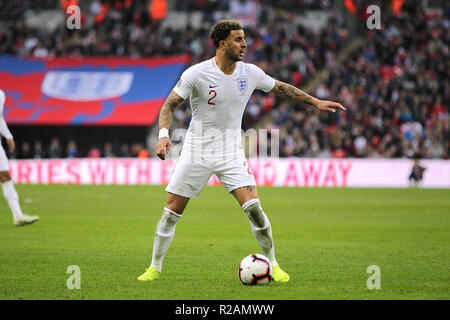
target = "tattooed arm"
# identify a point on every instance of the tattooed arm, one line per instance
(165, 120)
(166, 113)
(287, 91)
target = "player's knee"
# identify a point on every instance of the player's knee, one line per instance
(255, 213)
(176, 203)
(175, 207)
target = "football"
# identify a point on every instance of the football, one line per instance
(255, 269)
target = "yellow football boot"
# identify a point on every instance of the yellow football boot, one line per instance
(279, 275)
(149, 275)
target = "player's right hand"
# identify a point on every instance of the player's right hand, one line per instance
(162, 147)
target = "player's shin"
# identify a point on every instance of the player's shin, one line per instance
(164, 233)
(261, 228)
(12, 198)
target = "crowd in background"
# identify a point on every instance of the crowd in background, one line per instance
(55, 148)
(226, 5)
(286, 50)
(395, 86)
(396, 89)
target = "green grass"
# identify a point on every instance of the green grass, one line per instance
(324, 238)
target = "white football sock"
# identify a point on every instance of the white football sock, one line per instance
(12, 198)
(164, 233)
(261, 228)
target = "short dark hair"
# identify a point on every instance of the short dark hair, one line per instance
(221, 30)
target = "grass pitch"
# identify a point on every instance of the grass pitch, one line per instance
(324, 238)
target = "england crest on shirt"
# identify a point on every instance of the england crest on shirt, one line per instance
(242, 84)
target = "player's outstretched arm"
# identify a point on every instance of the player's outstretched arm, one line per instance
(165, 119)
(287, 91)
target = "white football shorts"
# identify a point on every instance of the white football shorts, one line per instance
(4, 166)
(190, 177)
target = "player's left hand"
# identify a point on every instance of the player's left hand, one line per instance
(11, 145)
(329, 106)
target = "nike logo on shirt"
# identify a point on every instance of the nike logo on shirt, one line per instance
(211, 87)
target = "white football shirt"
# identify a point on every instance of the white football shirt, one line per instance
(218, 102)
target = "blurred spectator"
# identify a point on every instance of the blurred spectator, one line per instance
(143, 153)
(40, 51)
(94, 152)
(72, 149)
(54, 149)
(25, 151)
(158, 10)
(108, 150)
(38, 150)
(124, 150)
(416, 175)
(135, 149)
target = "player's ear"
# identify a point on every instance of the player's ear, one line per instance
(222, 44)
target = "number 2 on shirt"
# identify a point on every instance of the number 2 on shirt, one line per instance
(214, 94)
